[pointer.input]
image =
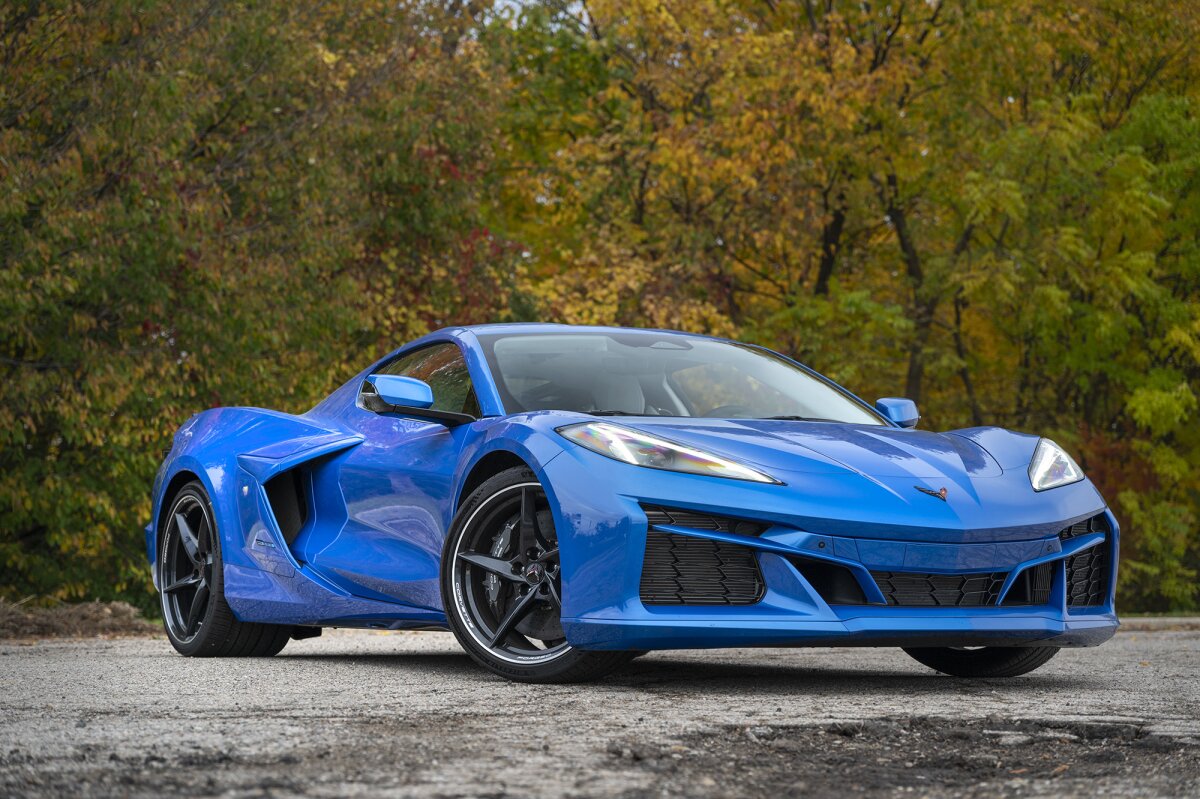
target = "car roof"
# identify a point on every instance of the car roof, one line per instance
(508, 328)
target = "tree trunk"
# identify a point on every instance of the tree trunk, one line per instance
(924, 301)
(831, 240)
(964, 371)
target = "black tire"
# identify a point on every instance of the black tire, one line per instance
(198, 621)
(987, 661)
(507, 615)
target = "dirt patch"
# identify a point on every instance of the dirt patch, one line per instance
(20, 621)
(921, 757)
(409, 715)
(406, 756)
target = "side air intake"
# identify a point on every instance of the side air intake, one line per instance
(287, 494)
(836, 584)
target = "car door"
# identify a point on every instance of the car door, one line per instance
(397, 487)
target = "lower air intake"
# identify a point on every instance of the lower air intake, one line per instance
(940, 590)
(1032, 586)
(1087, 571)
(686, 570)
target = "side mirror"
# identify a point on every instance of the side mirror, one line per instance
(899, 411)
(407, 392)
(406, 396)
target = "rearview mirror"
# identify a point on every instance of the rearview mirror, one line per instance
(408, 392)
(898, 410)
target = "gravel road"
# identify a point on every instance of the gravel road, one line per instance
(407, 714)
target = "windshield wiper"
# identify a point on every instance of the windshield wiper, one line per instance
(796, 419)
(614, 413)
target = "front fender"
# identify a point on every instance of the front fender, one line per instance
(530, 437)
(1012, 450)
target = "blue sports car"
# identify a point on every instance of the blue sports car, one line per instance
(564, 498)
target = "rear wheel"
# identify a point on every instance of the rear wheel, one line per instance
(197, 619)
(984, 661)
(502, 586)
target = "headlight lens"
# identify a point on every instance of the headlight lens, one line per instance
(641, 449)
(1051, 467)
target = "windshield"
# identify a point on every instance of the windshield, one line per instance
(658, 374)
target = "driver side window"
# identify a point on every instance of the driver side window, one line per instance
(443, 367)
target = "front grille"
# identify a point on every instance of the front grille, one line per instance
(940, 590)
(656, 514)
(1087, 571)
(686, 570)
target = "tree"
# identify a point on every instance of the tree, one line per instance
(204, 204)
(987, 206)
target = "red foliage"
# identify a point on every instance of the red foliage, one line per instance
(1112, 464)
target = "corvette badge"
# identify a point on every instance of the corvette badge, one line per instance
(940, 493)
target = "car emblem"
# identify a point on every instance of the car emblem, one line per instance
(534, 573)
(940, 493)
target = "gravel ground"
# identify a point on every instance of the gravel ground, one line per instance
(407, 714)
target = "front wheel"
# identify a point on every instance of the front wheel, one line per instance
(502, 586)
(984, 661)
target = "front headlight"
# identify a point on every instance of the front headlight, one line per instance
(641, 449)
(1051, 467)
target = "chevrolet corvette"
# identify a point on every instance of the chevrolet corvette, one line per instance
(564, 498)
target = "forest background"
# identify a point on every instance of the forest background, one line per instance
(989, 206)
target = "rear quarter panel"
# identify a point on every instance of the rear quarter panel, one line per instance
(206, 449)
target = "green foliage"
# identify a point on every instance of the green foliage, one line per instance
(206, 204)
(990, 206)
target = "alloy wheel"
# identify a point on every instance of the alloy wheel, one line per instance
(186, 570)
(506, 577)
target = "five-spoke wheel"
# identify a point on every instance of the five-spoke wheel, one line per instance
(187, 566)
(502, 585)
(506, 576)
(197, 619)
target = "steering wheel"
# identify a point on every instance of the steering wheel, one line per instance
(730, 412)
(550, 396)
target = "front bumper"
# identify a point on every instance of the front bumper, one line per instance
(890, 629)
(603, 538)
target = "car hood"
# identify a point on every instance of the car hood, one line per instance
(871, 451)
